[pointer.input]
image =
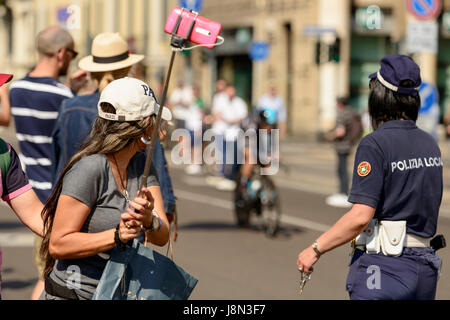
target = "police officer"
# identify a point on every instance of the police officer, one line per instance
(396, 195)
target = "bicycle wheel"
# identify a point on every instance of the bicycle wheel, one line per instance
(270, 207)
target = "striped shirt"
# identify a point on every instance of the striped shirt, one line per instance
(35, 103)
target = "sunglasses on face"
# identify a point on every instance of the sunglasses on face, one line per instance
(74, 53)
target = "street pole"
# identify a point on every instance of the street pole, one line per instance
(333, 76)
(427, 61)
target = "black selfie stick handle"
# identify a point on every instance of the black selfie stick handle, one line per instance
(148, 160)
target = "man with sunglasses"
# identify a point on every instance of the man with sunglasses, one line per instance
(35, 104)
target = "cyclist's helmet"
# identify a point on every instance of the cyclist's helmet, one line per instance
(269, 116)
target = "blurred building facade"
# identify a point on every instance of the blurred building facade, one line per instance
(141, 22)
(366, 29)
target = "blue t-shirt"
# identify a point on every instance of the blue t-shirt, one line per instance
(398, 171)
(35, 103)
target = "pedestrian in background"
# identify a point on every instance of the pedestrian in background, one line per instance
(395, 208)
(35, 102)
(232, 116)
(91, 208)
(109, 60)
(342, 137)
(180, 100)
(15, 189)
(218, 126)
(272, 100)
(194, 123)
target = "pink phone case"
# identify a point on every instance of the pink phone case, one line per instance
(204, 32)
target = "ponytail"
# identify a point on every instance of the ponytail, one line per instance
(105, 78)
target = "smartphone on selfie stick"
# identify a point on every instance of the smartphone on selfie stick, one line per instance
(184, 26)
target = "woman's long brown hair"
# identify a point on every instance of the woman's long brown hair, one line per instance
(105, 137)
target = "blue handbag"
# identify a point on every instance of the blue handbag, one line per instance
(140, 273)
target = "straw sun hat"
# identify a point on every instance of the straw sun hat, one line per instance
(109, 52)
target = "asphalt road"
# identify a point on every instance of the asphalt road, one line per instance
(230, 263)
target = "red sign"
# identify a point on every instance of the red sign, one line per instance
(424, 9)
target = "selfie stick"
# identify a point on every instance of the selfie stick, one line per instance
(177, 42)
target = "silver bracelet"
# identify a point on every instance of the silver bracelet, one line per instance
(314, 246)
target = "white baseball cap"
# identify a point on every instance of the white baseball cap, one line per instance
(133, 100)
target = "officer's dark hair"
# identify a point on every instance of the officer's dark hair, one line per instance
(386, 105)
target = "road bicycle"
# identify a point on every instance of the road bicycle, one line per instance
(261, 197)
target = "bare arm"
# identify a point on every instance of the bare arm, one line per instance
(5, 111)
(344, 230)
(216, 115)
(77, 80)
(66, 240)
(28, 208)
(237, 121)
(336, 133)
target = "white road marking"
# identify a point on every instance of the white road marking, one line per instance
(444, 211)
(196, 197)
(304, 223)
(310, 188)
(16, 239)
(226, 204)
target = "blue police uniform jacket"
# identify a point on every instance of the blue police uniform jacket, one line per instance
(73, 125)
(398, 171)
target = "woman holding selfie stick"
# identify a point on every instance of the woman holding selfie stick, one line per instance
(91, 208)
(109, 60)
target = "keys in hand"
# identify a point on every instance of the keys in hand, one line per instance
(304, 277)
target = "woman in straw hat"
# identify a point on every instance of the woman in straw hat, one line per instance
(110, 60)
(91, 208)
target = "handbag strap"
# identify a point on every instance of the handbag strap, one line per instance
(169, 247)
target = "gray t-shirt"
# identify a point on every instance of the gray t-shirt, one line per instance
(92, 182)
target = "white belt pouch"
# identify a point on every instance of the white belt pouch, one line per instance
(392, 237)
(369, 238)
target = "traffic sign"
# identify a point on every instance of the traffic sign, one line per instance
(424, 9)
(422, 37)
(259, 50)
(194, 5)
(429, 96)
(312, 30)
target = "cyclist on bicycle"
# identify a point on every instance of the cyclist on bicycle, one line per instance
(259, 154)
